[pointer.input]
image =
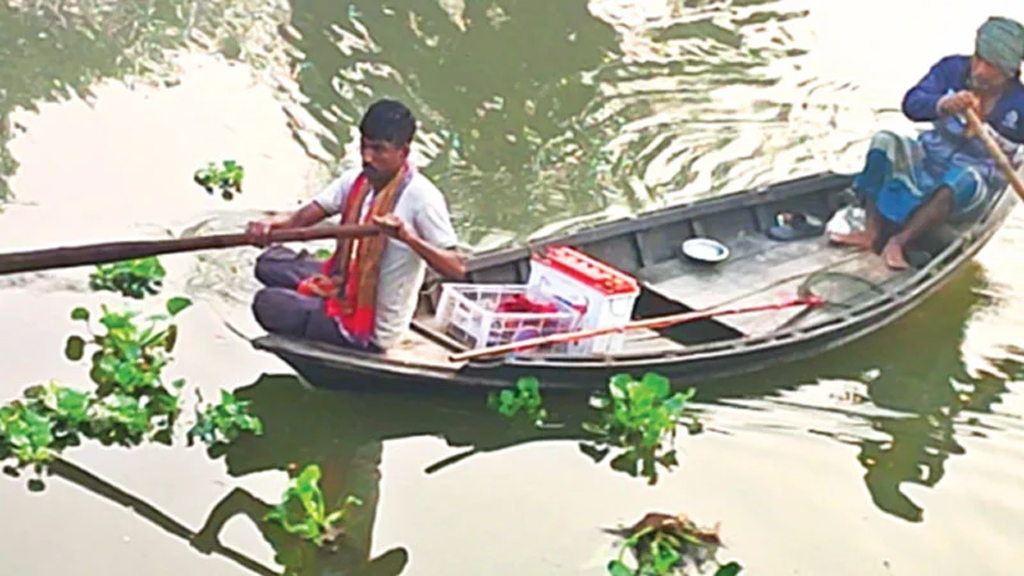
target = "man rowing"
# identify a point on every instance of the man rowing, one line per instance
(946, 173)
(364, 296)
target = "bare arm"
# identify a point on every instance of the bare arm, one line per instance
(448, 263)
(308, 215)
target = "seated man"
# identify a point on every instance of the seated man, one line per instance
(365, 295)
(946, 173)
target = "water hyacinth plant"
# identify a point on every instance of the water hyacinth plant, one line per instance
(130, 402)
(136, 278)
(227, 178)
(663, 544)
(304, 512)
(221, 424)
(525, 397)
(639, 417)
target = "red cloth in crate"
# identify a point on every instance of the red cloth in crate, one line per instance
(519, 303)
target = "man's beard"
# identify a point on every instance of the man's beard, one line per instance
(376, 177)
(982, 87)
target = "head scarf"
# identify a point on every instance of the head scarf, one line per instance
(1001, 42)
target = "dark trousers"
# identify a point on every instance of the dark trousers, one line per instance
(280, 309)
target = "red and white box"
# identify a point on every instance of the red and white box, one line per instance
(604, 295)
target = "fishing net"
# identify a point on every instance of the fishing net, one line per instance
(839, 289)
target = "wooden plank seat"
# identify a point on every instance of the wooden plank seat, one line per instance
(759, 271)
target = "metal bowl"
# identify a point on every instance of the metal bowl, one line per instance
(705, 250)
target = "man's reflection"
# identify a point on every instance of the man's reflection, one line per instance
(928, 383)
(355, 472)
(343, 433)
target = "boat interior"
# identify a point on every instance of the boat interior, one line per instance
(759, 270)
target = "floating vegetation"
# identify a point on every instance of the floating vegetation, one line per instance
(525, 397)
(131, 278)
(304, 512)
(131, 402)
(226, 178)
(663, 544)
(640, 417)
(221, 424)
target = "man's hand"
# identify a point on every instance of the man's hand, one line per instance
(446, 262)
(318, 285)
(258, 231)
(959, 103)
(393, 226)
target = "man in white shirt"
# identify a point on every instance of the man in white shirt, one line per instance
(365, 295)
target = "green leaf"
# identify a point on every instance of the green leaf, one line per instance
(599, 402)
(171, 338)
(80, 313)
(657, 384)
(626, 462)
(177, 304)
(75, 348)
(126, 374)
(665, 557)
(730, 569)
(334, 517)
(492, 400)
(618, 386)
(594, 452)
(617, 568)
(163, 437)
(675, 406)
(669, 459)
(528, 384)
(72, 404)
(306, 484)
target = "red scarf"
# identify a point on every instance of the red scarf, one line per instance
(352, 272)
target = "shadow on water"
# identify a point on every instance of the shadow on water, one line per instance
(85, 479)
(915, 371)
(344, 434)
(928, 400)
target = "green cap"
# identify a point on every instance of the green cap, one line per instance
(1001, 42)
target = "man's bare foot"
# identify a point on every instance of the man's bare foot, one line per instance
(893, 256)
(860, 238)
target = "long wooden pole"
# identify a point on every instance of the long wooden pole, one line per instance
(997, 153)
(657, 322)
(67, 257)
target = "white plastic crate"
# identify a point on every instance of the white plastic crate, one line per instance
(469, 313)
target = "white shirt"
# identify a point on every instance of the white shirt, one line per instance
(423, 208)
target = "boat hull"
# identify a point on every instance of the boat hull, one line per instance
(325, 367)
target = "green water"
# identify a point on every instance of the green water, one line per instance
(899, 454)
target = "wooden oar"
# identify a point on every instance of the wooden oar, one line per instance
(997, 153)
(66, 257)
(652, 323)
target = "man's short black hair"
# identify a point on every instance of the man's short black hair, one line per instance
(390, 121)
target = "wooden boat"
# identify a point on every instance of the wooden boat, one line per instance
(759, 270)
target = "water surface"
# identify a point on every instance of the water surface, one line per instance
(898, 454)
